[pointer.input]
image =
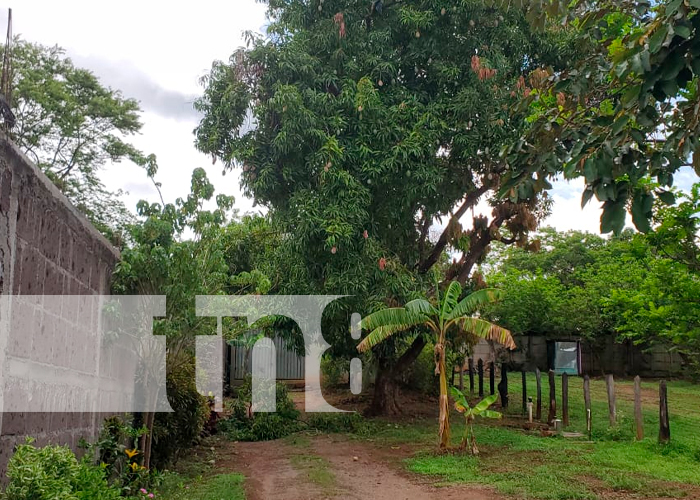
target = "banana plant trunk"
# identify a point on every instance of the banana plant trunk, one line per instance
(444, 434)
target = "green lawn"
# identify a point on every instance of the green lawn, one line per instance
(530, 466)
(218, 487)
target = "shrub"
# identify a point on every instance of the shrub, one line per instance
(421, 375)
(339, 422)
(181, 429)
(333, 371)
(53, 472)
(240, 426)
(117, 455)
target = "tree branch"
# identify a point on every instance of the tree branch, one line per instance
(471, 200)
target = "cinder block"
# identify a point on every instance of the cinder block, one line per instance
(22, 326)
(66, 247)
(13, 424)
(26, 218)
(53, 282)
(5, 190)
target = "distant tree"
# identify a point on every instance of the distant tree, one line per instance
(633, 288)
(70, 126)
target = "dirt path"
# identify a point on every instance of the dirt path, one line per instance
(327, 467)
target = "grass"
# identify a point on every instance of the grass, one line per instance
(317, 470)
(218, 487)
(196, 479)
(533, 467)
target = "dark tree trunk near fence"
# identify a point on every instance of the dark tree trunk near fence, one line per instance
(612, 404)
(492, 378)
(503, 387)
(471, 376)
(524, 377)
(565, 399)
(638, 416)
(461, 375)
(538, 376)
(386, 386)
(664, 424)
(480, 367)
(552, 399)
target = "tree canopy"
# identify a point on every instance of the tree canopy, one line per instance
(371, 129)
(70, 125)
(625, 118)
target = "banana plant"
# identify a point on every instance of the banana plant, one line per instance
(443, 316)
(480, 410)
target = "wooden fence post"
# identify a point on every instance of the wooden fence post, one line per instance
(524, 377)
(612, 404)
(565, 399)
(638, 416)
(471, 376)
(587, 403)
(552, 399)
(538, 376)
(664, 425)
(492, 377)
(503, 387)
(480, 367)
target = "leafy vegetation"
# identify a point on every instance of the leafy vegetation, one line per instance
(526, 465)
(244, 425)
(480, 409)
(54, 472)
(449, 319)
(376, 128)
(71, 126)
(634, 287)
(622, 116)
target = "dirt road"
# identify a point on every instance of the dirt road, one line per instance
(327, 467)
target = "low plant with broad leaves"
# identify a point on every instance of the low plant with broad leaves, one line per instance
(481, 409)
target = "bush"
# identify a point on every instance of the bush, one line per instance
(181, 429)
(333, 371)
(240, 426)
(53, 472)
(623, 431)
(421, 375)
(352, 423)
(117, 455)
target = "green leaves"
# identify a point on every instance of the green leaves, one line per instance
(613, 217)
(386, 322)
(642, 205)
(486, 330)
(475, 300)
(639, 68)
(71, 125)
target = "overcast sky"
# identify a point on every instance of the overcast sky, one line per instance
(156, 52)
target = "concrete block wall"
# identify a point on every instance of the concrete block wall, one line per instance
(46, 248)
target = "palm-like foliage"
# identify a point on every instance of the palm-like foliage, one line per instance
(443, 316)
(480, 410)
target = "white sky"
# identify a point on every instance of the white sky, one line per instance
(156, 51)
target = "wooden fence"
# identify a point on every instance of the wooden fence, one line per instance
(527, 403)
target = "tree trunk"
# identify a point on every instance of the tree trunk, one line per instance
(386, 385)
(444, 433)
